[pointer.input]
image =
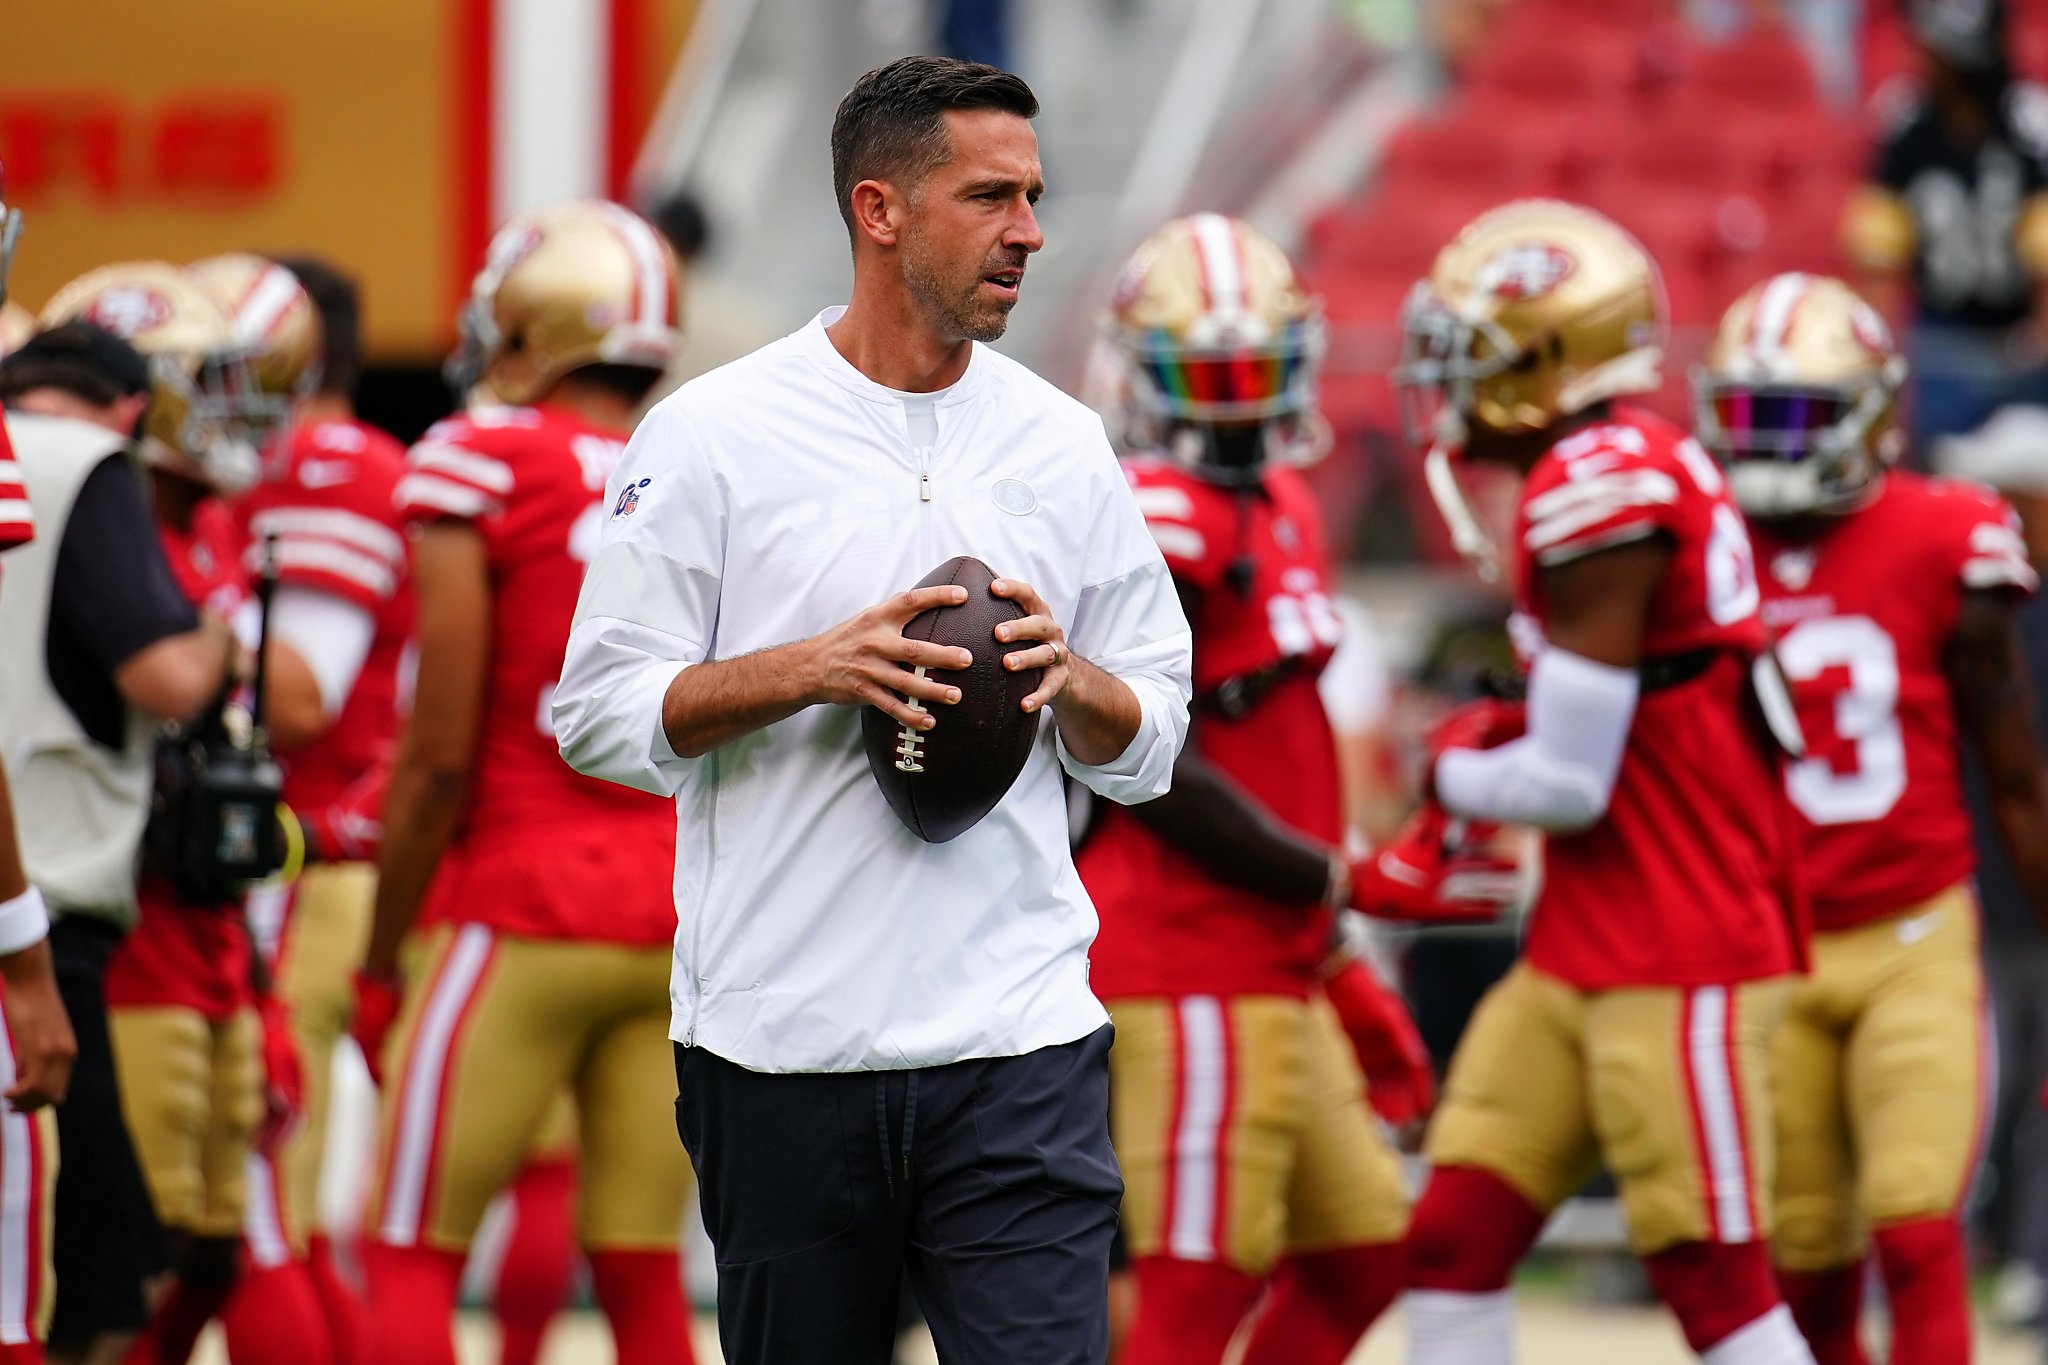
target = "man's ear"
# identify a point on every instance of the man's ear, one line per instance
(878, 211)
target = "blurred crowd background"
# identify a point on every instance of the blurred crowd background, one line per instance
(1898, 143)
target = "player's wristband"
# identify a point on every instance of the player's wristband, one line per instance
(24, 921)
(1337, 891)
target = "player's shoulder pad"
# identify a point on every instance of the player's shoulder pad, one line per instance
(1979, 531)
(1609, 484)
(463, 466)
(1192, 521)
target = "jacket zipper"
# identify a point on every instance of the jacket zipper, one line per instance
(924, 499)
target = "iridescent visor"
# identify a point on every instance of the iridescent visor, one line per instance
(1249, 382)
(1776, 423)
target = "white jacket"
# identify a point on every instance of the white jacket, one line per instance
(768, 501)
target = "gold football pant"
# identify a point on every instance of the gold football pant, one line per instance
(192, 1093)
(489, 1036)
(326, 933)
(1878, 1078)
(1242, 1128)
(1666, 1085)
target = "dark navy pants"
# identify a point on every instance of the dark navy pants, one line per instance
(992, 1182)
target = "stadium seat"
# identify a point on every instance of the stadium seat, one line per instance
(1691, 156)
(1763, 67)
(1459, 153)
(1567, 76)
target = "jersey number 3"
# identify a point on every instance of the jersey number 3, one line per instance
(1866, 719)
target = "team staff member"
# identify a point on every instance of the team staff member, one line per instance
(936, 994)
(1894, 597)
(187, 1032)
(122, 649)
(546, 889)
(1635, 1028)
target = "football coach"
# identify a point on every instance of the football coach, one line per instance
(887, 1052)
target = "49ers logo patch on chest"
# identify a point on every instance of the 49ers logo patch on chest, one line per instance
(1527, 270)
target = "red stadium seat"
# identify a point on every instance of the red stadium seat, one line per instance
(1459, 154)
(1567, 76)
(1763, 67)
(1691, 156)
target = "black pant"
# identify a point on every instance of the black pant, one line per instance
(992, 1181)
(106, 1241)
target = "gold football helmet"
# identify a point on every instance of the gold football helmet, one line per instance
(1215, 332)
(275, 318)
(583, 282)
(203, 398)
(1536, 311)
(1798, 395)
(17, 325)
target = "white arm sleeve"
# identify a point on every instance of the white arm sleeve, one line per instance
(1560, 775)
(332, 635)
(647, 611)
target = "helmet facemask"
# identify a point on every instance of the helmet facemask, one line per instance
(209, 421)
(1444, 356)
(1798, 449)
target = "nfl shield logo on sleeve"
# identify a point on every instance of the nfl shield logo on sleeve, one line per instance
(629, 499)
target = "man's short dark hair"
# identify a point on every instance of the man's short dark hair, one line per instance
(79, 358)
(891, 125)
(680, 218)
(341, 321)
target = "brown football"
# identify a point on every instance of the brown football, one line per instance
(942, 781)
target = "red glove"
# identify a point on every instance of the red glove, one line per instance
(1436, 871)
(1398, 1078)
(1482, 724)
(284, 1079)
(378, 997)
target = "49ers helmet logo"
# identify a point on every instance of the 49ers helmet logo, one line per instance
(128, 311)
(1527, 270)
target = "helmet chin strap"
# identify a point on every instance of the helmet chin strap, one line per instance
(1467, 537)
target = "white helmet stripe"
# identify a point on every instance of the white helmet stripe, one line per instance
(1222, 266)
(1772, 326)
(650, 267)
(263, 307)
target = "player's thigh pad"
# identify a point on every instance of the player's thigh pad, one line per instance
(1915, 1067)
(1347, 1188)
(1206, 1098)
(1515, 1102)
(1681, 1106)
(635, 1175)
(325, 937)
(163, 1059)
(1814, 1222)
(489, 1033)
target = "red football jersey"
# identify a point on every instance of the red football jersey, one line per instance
(1252, 566)
(1864, 612)
(17, 522)
(543, 851)
(192, 956)
(1687, 878)
(332, 510)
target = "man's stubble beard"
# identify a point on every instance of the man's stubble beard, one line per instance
(959, 310)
